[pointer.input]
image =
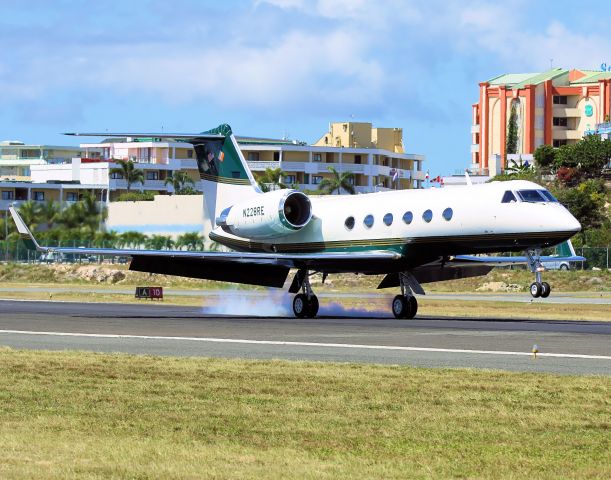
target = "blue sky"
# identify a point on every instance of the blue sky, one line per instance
(279, 67)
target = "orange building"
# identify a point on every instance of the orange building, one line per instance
(555, 107)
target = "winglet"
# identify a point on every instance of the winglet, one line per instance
(24, 232)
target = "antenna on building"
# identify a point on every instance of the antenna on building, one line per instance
(551, 63)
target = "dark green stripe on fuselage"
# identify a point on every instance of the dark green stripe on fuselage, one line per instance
(442, 245)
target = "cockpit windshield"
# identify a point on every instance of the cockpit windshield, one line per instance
(536, 196)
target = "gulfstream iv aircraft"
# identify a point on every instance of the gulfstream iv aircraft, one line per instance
(410, 236)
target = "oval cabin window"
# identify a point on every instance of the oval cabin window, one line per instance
(388, 219)
(447, 214)
(349, 223)
(368, 221)
(427, 216)
(408, 217)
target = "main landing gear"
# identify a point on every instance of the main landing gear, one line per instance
(405, 305)
(305, 304)
(538, 288)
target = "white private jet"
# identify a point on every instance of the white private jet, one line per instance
(410, 236)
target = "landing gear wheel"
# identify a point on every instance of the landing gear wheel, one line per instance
(312, 306)
(399, 306)
(300, 305)
(545, 289)
(413, 307)
(536, 289)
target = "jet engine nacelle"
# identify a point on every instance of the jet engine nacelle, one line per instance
(267, 215)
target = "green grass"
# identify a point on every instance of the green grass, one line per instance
(66, 415)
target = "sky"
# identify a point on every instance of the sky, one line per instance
(279, 68)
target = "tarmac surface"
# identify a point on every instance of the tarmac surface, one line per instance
(566, 347)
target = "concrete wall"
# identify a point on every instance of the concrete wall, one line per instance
(166, 215)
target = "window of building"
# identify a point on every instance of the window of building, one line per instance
(71, 197)
(189, 153)
(408, 217)
(368, 221)
(387, 219)
(8, 195)
(357, 159)
(560, 100)
(290, 179)
(306, 178)
(559, 143)
(253, 156)
(39, 196)
(316, 179)
(276, 156)
(447, 214)
(560, 121)
(427, 216)
(349, 223)
(317, 157)
(116, 176)
(152, 175)
(509, 197)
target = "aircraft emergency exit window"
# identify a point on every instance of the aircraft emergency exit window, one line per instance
(531, 196)
(388, 219)
(447, 214)
(368, 221)
(408, 217)
(509, 197)
(349, 223)
(548, 195)
(427, 216)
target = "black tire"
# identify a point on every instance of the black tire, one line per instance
(399, 306)
(313, 306)
(546, 289)
(536, 289)
(412, 307)
(300, 306)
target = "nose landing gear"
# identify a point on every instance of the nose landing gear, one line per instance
(538, 288)
(305, 304)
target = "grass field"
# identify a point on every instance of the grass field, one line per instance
(66, 415)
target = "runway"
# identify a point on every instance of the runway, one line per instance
(564, 347)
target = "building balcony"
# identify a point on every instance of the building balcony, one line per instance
(474, 147)
(475, 128)
(118, 184)
(560, 133)
(566, 112)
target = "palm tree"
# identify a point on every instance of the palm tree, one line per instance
(49, 213)
(338, 181)
(179, 180)
(159, 242)
(271, 176)
(128, 171)
(191, 240)
(133, 239)
(30, 214)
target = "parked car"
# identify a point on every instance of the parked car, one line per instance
(557, 265)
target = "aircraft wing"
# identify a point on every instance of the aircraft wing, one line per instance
(517, 260)
(266, 269)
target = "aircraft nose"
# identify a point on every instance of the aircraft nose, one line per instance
(571, 223)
